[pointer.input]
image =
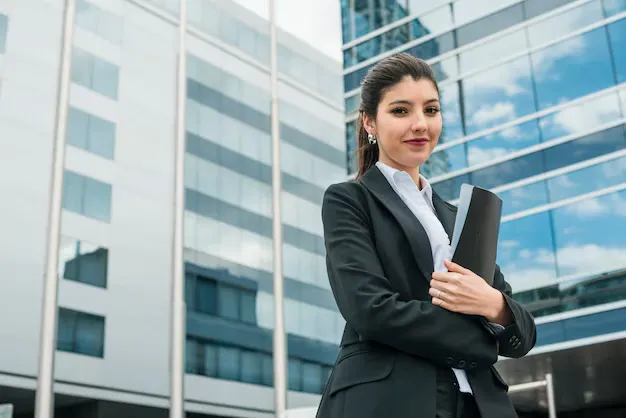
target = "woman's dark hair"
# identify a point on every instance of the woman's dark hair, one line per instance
(380, 78)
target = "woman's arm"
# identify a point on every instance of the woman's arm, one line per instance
(520, 334)
(369, 304)
(460, 290)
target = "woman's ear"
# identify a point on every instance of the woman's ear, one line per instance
(369, 124)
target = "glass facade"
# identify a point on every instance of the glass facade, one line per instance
(115, 252)
(533, 106)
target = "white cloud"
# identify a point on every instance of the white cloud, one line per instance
(589, 258)
(535, 268)
(480, 155)
(586, 115)
(490, 113)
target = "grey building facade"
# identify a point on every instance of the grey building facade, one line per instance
(115, 262)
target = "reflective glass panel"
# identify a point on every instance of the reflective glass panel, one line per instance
(446, 161)
(487, 25)
(503, 142)
(509, 171)
(522, 198)
(498, 95)
(494, 50)
(585, 148)
(617, 35)
(590, 235)
(588, 53)
(587, 180)
(526, 252)
(536, 7)
(580, 117)
(468, 10)
(4, 23)
(613, 7)
(556, 26)
(451, 113)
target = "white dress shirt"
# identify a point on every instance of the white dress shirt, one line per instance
(420, 202)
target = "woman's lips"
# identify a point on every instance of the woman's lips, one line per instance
(417, 142)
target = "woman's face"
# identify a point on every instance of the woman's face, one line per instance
(408, 123)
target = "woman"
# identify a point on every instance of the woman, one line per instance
(422, 333)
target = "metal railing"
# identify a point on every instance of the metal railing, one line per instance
(547, 383)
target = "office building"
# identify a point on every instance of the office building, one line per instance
(534, 107)
(113, 340)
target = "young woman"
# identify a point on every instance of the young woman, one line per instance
(422, 333)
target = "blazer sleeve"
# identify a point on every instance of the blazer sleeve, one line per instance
(369, 305)
(519, 337)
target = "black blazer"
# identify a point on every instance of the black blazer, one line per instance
(379, 264)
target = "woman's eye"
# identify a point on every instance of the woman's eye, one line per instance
(398, 111)
(432, 110)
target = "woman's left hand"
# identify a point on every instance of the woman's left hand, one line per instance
(461, 290)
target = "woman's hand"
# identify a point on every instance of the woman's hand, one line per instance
(461, 290)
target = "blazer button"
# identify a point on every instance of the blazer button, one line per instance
(449, 360)
(461, 364)
(472, 365)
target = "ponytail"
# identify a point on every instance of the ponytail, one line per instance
(368, 153)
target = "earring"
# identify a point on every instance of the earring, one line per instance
(371, 138)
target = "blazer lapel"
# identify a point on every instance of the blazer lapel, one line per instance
(415, 233)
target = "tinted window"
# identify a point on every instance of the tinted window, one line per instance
(564, 23)
(503, 142)
(589, 235)
(585, 148)
(613, 7)
(4, 23)
(528, 165)
(526, 252)
(87, 196)
(83, 262)
(451, 113)
(498, 95)
(99, 21)
(95, 73)
(588, 53)
(509, 171)
(536, 7)
(91, 133)
(617, 36)
(434, 47)
(447, 160)
(490, 24)
(449, 189)
(81, 333)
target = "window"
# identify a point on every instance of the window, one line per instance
(553, 158)
(91, 133)
(617, 36)
(80, 333)
(588, 53)
(95, 73)
(207, 358)
(487, 25)
(4, 24)
(83, 262)
(212, 297)
(99, 21)
(86, 196)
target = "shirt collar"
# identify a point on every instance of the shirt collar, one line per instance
(393, 175)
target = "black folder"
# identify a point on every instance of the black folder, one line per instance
(475, 237)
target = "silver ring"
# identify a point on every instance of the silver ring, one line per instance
(439, 294)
